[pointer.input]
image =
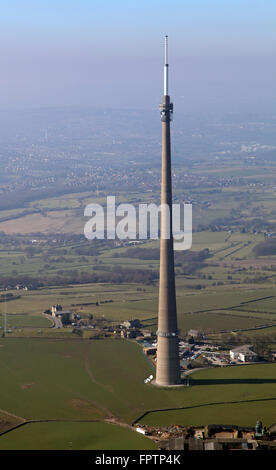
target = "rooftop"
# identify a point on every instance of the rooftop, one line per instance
(246, 348)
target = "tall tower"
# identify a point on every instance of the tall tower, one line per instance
(168, 366)
(4, 334)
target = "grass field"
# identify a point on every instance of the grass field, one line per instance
(104, 378)
(210, 310)
(242, 414)
(75, 436)
(65, 379)
(17, 320)
(232, 395)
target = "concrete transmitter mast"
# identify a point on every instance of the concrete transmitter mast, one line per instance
(168, 365)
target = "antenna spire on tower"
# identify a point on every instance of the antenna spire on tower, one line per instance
(166, 69)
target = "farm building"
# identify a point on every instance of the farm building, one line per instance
(193, 333)
(55, 309)
(130, 333)
(131, 324)
(146, 333)
(224, 431)
(66, 316)
(244, 354)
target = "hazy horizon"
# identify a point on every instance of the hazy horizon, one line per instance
(110, 54)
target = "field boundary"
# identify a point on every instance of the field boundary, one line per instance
(200, 406)
(111, 421)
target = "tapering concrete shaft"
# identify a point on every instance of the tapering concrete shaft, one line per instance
(168, 366)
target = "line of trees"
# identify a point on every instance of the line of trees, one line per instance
(117, 275)
(186, 256)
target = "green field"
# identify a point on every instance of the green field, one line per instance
(231, 395)
(242, 414)
(209, 310)
(34, 321)
(75, 436)
(69, 379)
(65, 380)
(205, 298)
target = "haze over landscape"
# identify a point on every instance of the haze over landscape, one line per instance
(109, 54)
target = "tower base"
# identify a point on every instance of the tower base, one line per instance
(167, 364)
(181, 384)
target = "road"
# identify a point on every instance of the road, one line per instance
(55, 321)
